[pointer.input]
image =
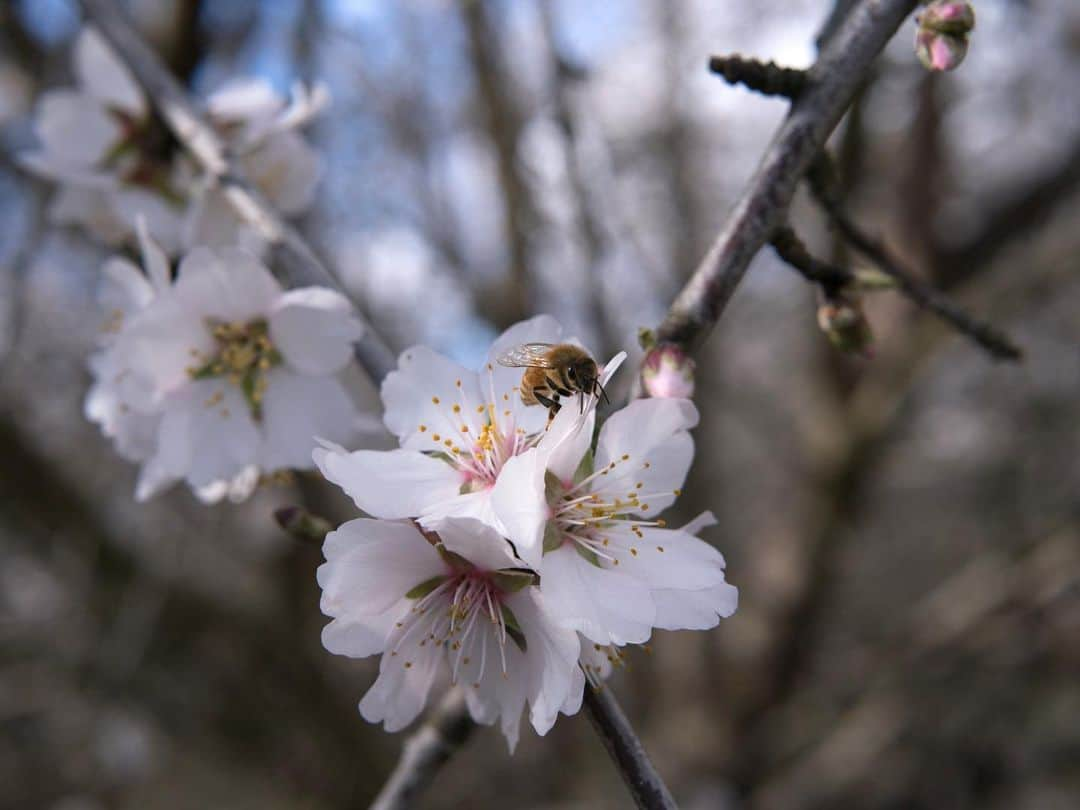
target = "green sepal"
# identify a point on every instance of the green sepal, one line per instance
(451, 558)
(552, 536)
(553, 488)
(512, 580)
(513, 629)
(425, 587)
(585, 468)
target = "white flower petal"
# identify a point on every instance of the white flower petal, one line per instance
(646, 443)
(207, 433)
(296, 409)
(420, 399)
(371, 565)
(401, 690)
(551, 657)
(359, 637)
(694, 610)
(104, 76)
(481, 545)
(74, 128)
(287, 170)
(227, 284)
(603, 605)
(154, 259)
(389, 484)
(520, 506)
(668, 558)
(314, 328)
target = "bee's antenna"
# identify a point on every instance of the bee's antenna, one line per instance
(603, 393)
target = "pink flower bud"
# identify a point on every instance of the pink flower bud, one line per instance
(948, 17)
(940, 52)
(668, 372)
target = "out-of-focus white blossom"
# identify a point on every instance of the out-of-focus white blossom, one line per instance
(258, 125)
(458, 605)
(113, 161)
(220, 376)
(469, 446)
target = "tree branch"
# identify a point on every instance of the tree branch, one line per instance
(181, 115)
(431, 745)
(645, 784)
(830, 86)
(822, 183)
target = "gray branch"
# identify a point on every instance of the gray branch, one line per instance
(172, 102)
(830, 86)
(644, 783)
(425, 751)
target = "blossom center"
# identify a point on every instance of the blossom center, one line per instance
(244, 354)
(464, 614)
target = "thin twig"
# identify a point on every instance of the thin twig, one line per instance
(445, 731)
(822, 183)
(181, 115)
(767, 78)
(830, 85)
(645, 784)
(790, 248)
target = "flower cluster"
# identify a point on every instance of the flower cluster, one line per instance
(509, 551)
(114, 161)
(220, 376)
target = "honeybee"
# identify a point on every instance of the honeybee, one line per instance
(554, 370)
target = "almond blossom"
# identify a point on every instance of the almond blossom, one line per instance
(455, 604)
(469, 446)
(259, 127)
(112, 160)
(611, 568)
(221, 376)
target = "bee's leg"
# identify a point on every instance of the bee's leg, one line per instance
(552, 403)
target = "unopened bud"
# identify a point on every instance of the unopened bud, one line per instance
(845, 325)
(948, 17)
(302, 524)
(940, 52)
(941, 41)
(668, 372)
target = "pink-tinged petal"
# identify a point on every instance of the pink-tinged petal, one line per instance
(389, 484)
(649, 451)
(400, 692)
(603, 605)
(429, 399)
(520, 505)
(371, 565)
(226, 284)
(695, 610)
(296, 410)
(104, 76)
(75, 129)
(481, 545)
(314, 328)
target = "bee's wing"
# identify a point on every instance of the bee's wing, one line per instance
(526, 355)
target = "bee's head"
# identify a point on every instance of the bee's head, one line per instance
(583, 374)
